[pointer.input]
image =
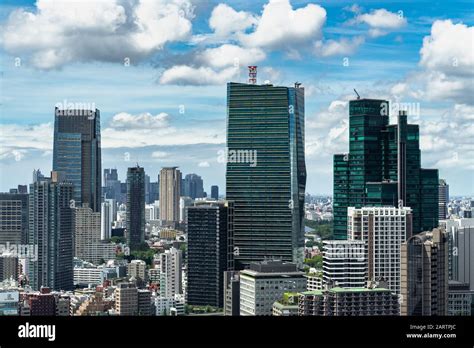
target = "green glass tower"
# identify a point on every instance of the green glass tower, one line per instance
(383, 167)
(266, 171)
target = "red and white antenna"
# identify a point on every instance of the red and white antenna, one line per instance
(252, 74)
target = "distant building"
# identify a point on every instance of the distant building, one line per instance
(108, 215)
(443, 199)
(126, 299)
(170, 191)
(215, 192)
(144, 302)
(193, 186)
(266, 282)
(135, 206)
(137, 269)
(424, 274)
(287, 306)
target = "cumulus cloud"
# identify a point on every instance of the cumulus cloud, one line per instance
(230, 55)
(187, 75)
(342, 47)
(59, 32)
(144, 120)
(204, 164)
(380, 21)
(280, 26)
(225, 20)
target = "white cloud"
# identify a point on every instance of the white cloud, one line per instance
(280, 26)
(449, 48)
(230, 55)
(186, 75)
(225, 20)
(159, 154)
(342, 47)
(204, 164)
(60, 32)
(144, 120)
(382, 19)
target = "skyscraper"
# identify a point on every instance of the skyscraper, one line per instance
(424, 274)
(77, 153)
(108, 214)
(51, 231)
(215, 192)
(170, 191)
(193, 186)
(383, 167)
(86, 231)
(443, 199)
(135, 206)
(266, 171)
(209, 254)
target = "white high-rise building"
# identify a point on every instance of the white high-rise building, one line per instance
(108, 216)
(344, 263)
(383, 229)
(170, 190)
(171, 272)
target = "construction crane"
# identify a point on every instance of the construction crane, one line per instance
(358, 96)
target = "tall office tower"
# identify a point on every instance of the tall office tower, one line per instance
(443, 199)
(209, 226)
(171, 262)
(13, 218)
(461, 248)
(383, 229)
(110, 176)
(135, 206)
(215, 192)
(108, 214)
(51, 231)
(424, 274)
(147, 189)
(170, 191)
(266, 171)
(193, 186)
(383, 167)
(111, 184)
(266, 282)
(86, 232)
(77, 153)
(154, 191)
(344, 263)
(126, 299)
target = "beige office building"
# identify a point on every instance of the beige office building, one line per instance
(170, 190)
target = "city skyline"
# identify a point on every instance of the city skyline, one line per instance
(154, 116)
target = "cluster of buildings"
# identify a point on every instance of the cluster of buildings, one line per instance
(393, 251)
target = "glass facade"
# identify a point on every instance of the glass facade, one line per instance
(135, 206)
(383, 167)
(77, 153)
(266, 172)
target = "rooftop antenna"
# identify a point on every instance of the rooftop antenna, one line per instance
(297, 84)
(252, 74)
(358, 96)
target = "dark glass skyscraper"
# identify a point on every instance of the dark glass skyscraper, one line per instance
(135, 206)
(209, 227)
(77, 153)
(51, 231)
(215, 192)
(193, 186)
(383, 167)
(266, 171)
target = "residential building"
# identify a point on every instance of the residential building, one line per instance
(171, 262)
(135, 206)
(126, 299)
(170, 191)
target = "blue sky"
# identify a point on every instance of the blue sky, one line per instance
(168, 106)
